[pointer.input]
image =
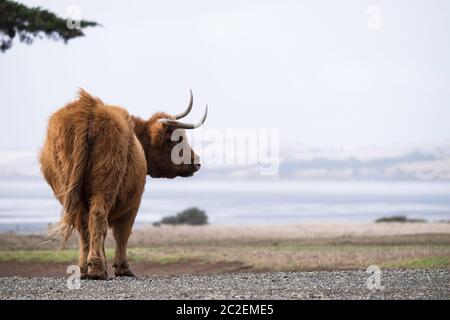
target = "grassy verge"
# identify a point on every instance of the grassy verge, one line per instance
(69, 256)
(422, 263)
(274, 257)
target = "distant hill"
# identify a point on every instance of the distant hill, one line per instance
(430, 163)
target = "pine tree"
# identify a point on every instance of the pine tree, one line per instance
(28, 23)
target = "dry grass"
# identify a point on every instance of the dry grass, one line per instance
(259, 248)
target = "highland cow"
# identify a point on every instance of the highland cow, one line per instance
(96, 158)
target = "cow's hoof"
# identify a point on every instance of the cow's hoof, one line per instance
(122, 269)
(97, 275)
(126, 273)
(97, 271)
(84, 271)
(84, 276)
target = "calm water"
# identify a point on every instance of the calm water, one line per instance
(28, 204)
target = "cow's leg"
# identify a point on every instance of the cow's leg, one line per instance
(83, 230)
(121, 232)
(98, 225)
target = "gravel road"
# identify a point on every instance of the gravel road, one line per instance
(398, 284)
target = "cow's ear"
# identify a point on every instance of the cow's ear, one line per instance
(156, 132)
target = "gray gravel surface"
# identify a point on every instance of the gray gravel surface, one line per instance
(398, 284)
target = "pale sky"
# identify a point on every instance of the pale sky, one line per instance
(310, 68)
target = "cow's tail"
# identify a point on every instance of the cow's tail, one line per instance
(78, 156)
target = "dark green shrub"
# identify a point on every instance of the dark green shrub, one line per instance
(398, 219)
(191, 216)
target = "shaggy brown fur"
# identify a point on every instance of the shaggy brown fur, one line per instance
(96, 158)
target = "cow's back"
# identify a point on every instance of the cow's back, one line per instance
(116, 171)
(111, 139)
(87, 154)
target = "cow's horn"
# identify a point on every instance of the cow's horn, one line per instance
(183, 125)
(188, 109)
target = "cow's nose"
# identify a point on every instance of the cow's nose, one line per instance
(197, 166)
